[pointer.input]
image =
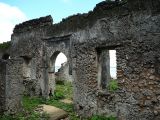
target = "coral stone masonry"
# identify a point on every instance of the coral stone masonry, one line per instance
(130, 28)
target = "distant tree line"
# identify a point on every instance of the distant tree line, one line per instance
(5, 45)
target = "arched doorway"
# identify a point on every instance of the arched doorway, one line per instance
(60, 81)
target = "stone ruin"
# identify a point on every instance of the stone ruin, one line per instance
(131, 28)
(62, 74)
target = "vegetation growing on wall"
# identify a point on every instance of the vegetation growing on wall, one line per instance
(5, 45)
(113, 85)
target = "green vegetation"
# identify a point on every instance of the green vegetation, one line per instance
(113, 85)
(32, 103)
(65, 91)
(62, 91)
(29, 105)
(5, 45)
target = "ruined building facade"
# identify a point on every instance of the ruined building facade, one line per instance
(132, 29)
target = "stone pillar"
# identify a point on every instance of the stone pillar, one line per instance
(13, 86)
(10, 86)
(2, 85)
(103, 68)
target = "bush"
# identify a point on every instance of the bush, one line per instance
(58, 95)
(5, 45)
(113, 85)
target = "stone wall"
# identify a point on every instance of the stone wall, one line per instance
(14, 89)
(135, 38)
(79, 22)
(27, 43)
(4, 53)
(55, 45)
(11, 86)
(2, 85)
(63, 73)
(132, 29)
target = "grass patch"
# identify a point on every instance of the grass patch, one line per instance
(61, 105)
(113, 85)
(29, 105)
(32, 103)
(64, 91)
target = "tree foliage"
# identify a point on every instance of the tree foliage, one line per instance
(5, 45)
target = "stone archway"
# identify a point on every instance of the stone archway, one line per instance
(57, 76)
(51, 72)
(54, 46)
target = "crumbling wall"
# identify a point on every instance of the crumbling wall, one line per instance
(63, 73)
(132, 29)
(135, 37)
(29, 76)
(11, 86)
(14, 87)
(2, 85)
(5, 52)
(27, 43)
(55, 45)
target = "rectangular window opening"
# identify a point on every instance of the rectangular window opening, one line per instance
(113, 64)
(107, 67)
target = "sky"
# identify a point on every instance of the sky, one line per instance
(61, 58)
(13, 12)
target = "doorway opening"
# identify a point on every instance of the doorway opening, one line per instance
(60, 80)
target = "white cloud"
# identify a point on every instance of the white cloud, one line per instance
(9, 17)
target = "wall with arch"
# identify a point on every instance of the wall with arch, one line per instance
(132, 29)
